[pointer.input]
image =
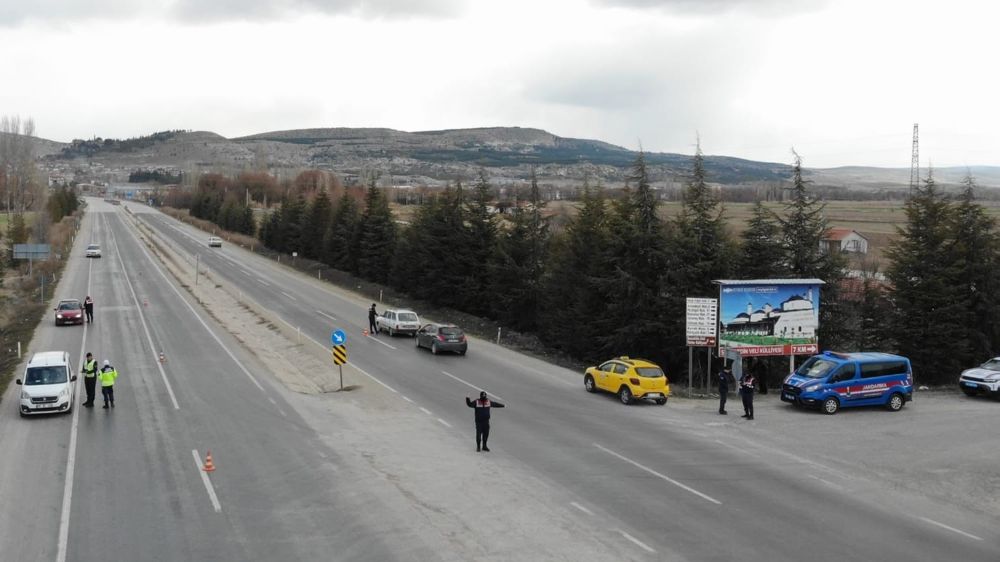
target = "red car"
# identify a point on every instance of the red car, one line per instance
(69, 311)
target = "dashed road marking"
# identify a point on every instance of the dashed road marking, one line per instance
(952, 529)
(208, 483)
(289, 296)
(640, 544)
(320, 312)
(470, 385)
(659, 475)
(426, 411)
(581, 508)
(444, 423)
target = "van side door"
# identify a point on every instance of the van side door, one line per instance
(878, 379)
(842, 382)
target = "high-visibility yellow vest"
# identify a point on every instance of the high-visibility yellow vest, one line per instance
(90, 368)
(108, 376)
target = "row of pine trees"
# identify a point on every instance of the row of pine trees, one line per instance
(615, 279)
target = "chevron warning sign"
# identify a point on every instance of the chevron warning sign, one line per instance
(339, 354)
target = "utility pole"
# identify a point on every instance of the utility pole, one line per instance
(915, 162)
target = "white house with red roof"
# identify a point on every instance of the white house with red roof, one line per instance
(844, 240)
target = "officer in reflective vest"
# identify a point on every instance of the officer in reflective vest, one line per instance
(482, 406)
(90, 378)
(108, 376)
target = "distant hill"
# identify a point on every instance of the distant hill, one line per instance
(434, 157)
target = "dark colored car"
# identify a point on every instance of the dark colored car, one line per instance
(441, 337)
(69, 311)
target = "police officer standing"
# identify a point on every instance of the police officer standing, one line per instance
(372, 326)
(747, 382)
(89, 378)
(88, 307)
(108, 376)
(725, 379)
(482, 406)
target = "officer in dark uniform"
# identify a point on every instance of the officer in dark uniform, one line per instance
(372, 325)
(482, 406)
(725, 379)
(747, 382)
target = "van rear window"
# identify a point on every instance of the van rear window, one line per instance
(871, 370)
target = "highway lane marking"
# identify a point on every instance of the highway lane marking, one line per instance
(444, 423)
(289, 296)
(320, 312)
(195, 313)
(641, 544)
(142, 320)
(470, 385)
(407, 399)
(247, 273)
(659, 475)
(264, 283)
(952, 529)
(581, 508)
(208, 483)
(426, 411)
(376, 340)
(67, 499)
(827, 482)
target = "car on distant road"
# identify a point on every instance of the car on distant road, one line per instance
(69, 311)
(631, 379)
(214, 242)
(398, 321)
(984, 379)
(93, 251)
(48, 385)
(442, 337)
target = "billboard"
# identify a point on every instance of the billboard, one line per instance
(769, 316)
(701, 322)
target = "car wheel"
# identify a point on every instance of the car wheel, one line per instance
(830, 406)
(625, 395)
(588, 383)
(661, 401)
(896, 402)
(434, 348)
(418, 343)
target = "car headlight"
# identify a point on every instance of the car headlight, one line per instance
(813, 387)
(58, 315)
(64, 393)
(25, 395)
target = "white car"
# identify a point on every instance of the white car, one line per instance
(49, 385)
(94, 251)
(398, 321)
(214, 242)
(984, 379)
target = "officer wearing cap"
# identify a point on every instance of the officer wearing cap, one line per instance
(482, 406)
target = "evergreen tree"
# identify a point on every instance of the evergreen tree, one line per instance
(977, 253)
(247, 224)
(317, 222)
(479, 253)
(572, 286)
(292, 215)
(926, 287)
(17, 230)
(762, 255)
(376, 237)
(339, 244)
(521, 253)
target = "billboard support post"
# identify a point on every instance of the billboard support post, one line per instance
(708, 367)
(690, 369)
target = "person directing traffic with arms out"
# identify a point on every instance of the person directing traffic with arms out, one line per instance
(482, 406)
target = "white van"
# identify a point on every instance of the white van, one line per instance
(49, 385)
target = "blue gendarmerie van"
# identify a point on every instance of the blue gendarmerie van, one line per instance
(831, 381)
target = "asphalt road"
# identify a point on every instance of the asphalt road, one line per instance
(654, 482)
(658, 480)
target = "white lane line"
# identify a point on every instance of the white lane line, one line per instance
(362, 371)
(320, 312)
(289, 296)
(247, 273)
(407, 399)
(271, 400)
(470, 385)
(195, 312)
(659, 475)
(264, 283)
(376, 340)
(426, 411)
(581, 508)
(444, 423)
(952, 529)
(641, 544)
(208, 483)
(142, 320)
(67, 500)
(827, 482)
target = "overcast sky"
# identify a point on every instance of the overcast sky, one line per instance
(841, 81)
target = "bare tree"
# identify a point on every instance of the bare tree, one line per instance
(22, 190)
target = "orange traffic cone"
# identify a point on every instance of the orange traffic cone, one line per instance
(209, 465)
(364, 332)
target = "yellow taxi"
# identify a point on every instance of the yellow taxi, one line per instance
(630, 379)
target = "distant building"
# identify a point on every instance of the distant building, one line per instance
(843, 240)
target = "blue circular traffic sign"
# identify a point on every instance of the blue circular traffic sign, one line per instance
(338, 337)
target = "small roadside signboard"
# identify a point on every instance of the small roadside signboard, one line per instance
(340, 356)
(701, 322)
(338, 337)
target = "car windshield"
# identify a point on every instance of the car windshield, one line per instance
(991, 365)
(93, 247)
(407, 317)
(45, 375)
(649, 372)
(450, 331)
(69, 306)
(816, 368)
